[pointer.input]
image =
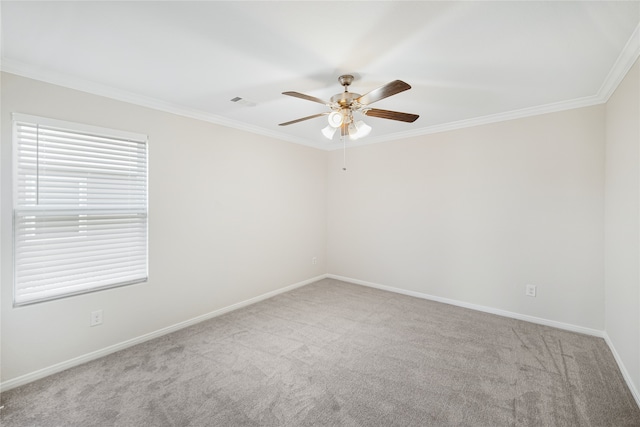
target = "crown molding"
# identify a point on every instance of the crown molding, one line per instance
(620, 68)
(59, 79)
(484, 120)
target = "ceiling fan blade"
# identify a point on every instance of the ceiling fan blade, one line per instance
(302, 119)
(382, 92)
(307, 97)
(393, 115)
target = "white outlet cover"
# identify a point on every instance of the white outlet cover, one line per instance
(96, 318)
(530, 290)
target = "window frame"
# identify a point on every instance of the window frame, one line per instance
(131, 215)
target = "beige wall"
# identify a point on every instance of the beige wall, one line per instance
(474, 215)
(232, 216)
(622, 207)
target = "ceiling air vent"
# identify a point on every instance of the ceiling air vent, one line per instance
(242, 101)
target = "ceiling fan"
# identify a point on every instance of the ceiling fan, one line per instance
(344, 105)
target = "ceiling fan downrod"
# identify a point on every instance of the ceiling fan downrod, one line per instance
(346, 99)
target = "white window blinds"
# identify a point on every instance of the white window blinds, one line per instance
(80, 208)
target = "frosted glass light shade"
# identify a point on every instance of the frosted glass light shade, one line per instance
(359, 129)
(335, 119)
(329, 131)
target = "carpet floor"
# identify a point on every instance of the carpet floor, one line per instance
(337, 354)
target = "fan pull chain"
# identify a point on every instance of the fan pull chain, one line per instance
(344, 154)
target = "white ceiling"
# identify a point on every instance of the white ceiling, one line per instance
(467, 62)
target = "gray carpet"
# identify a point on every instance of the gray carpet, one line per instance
(338, 354)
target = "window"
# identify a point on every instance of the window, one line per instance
(80, 208)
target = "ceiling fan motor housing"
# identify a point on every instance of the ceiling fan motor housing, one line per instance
(345, 99)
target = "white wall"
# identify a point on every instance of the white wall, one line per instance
(474, 215)
(470, 215)
(233, 215)
(622, 224)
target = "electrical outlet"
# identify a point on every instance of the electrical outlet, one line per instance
(530, 290)
(314, 260)
(96, 318)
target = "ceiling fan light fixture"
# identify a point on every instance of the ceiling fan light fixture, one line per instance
(352, 131)
(329, 131)
(359, 129)
(335, 119)
(346, 105)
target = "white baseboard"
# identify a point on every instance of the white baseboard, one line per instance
(560, 325)
(59, 367)
(623, 369)
(485, 309)
(532, 319)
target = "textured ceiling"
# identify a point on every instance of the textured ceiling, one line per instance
(467, 62)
